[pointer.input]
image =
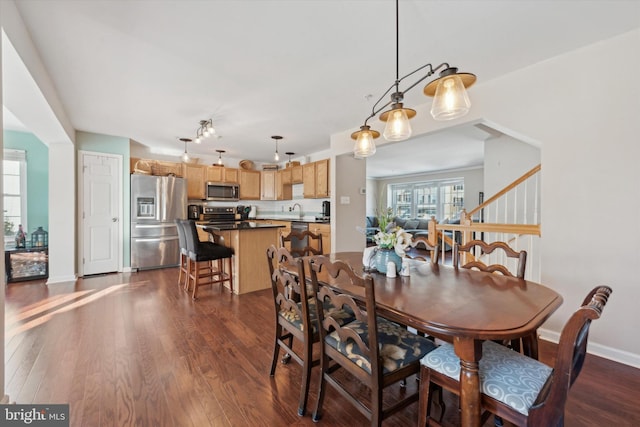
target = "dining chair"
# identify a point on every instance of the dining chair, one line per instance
(422, 241)
(184, 253)
(488, 248)
(515, 387)
(296, 316)
(302, 243)
(200, 261)
(371, 349)
(528, 343)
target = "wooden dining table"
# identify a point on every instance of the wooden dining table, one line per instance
(461, 306)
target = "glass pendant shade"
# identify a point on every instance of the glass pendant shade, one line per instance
(276, 157)
(185, 157)
(365, 146)
(398, 127)
(450, 100)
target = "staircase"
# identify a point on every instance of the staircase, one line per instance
(512, 215)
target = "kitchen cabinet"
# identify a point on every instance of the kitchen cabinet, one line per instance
(322, 178)
(296, 174)
(215, 173)
(325, 231)
(230, 175)
(284, 191)
(268, 185)
(249, 185)
(222, 174)
(195, 176)
(316, 179)
(309, 180)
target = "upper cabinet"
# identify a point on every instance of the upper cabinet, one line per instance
(284, 191)
(296, 174)
(195, 176)
(249, 185)
(315, 177)
(222, 174)
(268, 185)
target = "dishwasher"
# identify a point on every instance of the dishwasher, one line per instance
(300, 227)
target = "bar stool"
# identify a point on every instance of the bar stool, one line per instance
(184, 253)
(200, 261)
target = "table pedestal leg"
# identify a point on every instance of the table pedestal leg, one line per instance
(469, 351)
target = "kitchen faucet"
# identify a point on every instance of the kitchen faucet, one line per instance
(293, 208)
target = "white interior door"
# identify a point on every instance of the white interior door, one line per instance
(101, 207)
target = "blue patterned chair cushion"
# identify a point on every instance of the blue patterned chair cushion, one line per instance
(398, 347)
(505, 375)
(342, 316)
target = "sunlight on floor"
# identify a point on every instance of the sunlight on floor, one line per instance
(81, 297)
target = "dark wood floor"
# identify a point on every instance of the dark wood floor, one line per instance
(132, 349)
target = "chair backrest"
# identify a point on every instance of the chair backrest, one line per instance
(286, 274)
(313, 241)
(488, 248)
(182, 240)
(549, 406)
(423, 242)
(343, 274)
(190, 234)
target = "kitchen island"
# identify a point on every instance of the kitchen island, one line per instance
(249, 241)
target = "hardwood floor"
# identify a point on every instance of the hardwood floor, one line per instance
(133, 349)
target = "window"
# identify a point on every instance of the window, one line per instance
(15, 193)
(441, 198)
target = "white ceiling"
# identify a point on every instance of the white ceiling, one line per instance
(150, 70)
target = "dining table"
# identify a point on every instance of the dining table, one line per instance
(462, 306)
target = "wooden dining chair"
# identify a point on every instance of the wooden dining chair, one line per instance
(295, 316)
(422, 242)
(517, 388)
(488, 248)
(313, 244)
(373, 350)
(528, 343)
(200, 267)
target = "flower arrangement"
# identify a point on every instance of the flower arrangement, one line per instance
(390, 236)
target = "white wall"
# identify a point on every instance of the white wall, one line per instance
(506, 159)
(585, 119)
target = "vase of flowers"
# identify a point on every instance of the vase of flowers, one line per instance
(391, 243)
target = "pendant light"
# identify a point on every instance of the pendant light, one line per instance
(450, 101)
(185, 155)
(289, 153)
(276, 156)
(220, 152)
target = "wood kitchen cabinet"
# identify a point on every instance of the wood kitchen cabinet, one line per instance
(284, 191)
(268, 185)
(296, 174)
(222, 174)
(309, 180)
(316, 179)
(195, 176)
(249, 185)
(230, 175)
(325, 231)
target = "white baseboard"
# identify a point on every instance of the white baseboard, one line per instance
(61, 279)
(126, 269)
(596, 349)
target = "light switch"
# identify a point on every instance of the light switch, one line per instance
(345, 200)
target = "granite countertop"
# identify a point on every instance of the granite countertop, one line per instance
(311, 220)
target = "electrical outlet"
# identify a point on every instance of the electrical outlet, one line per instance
(345, 200)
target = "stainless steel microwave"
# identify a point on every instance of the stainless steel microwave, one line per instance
(221, 191)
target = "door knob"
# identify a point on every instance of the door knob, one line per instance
(114, 219)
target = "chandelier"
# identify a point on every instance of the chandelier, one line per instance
(205, 130)
(449, 94)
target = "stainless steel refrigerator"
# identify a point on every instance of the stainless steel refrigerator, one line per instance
(156, 202)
